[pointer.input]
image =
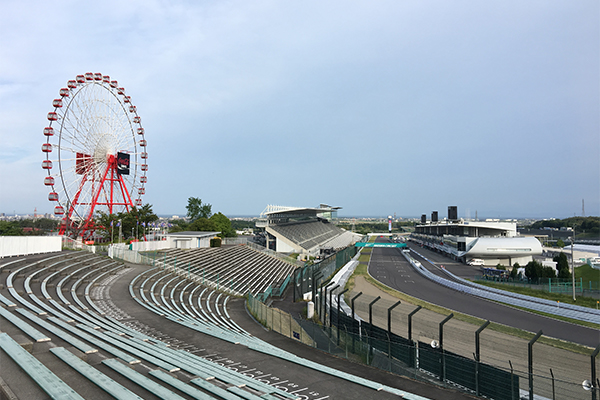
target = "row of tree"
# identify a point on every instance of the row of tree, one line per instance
(534, 270)
(584, 226)
(201, 218)
(137, 222)
(28, 227)
(134, 223)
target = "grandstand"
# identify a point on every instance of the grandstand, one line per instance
(306, 231)
(79, 325)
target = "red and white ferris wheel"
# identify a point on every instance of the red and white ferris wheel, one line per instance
(95, 150)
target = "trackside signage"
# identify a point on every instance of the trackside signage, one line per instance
(368, 244)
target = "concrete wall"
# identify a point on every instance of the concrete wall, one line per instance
(24, 245)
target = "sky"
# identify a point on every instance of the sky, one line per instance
(380, 107)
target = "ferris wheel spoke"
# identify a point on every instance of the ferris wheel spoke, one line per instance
(74, 135)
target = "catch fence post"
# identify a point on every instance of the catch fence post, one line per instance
(478, 355)
(530, 361)
(338, 314)
(595, 383)
(353, 320)
(443, 377)
(416, 353)
(371, 325)
(390, 315)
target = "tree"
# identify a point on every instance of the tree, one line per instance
(560, 243)
(223, 225)
(203, 225)
(562, 266)
(515, 271)
(533, 271)
(548, 272)
(178, 225)
(106, 225)
(196, 209)
(10, 229)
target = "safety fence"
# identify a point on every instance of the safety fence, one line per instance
(122, 252)
(310, 277)
(555, 373)
(279, 321)
(426, 346)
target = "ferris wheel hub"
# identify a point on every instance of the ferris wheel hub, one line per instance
(104, 149)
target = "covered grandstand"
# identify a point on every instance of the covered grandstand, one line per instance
(306, 231)
(493, 241)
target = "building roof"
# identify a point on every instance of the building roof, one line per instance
(505, 246)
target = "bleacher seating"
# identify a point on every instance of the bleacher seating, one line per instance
(61, 303)
(236, 269)
(312, 234)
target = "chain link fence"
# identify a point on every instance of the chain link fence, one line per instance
(443, 340)
(427, 346)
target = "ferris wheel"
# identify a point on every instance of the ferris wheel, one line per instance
(95, 150)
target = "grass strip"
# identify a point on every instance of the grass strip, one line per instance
(361, 270)
(563, 298)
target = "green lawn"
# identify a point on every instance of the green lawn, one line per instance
(563, 298)
(588, 274)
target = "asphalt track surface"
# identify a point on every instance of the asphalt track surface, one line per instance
(389, 266)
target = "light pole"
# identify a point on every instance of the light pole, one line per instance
(573, 264)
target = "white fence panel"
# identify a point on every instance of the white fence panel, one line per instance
(150, 246)
(24, 245)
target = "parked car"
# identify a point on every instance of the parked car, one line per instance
(476, 262)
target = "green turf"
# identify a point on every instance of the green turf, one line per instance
(588, 274)
(558, 297)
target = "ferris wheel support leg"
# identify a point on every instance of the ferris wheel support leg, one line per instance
(95, 198)
(125, 193)
(74, 203)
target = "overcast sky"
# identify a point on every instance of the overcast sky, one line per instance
(379, 107)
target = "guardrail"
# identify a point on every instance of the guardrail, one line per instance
(532, 303)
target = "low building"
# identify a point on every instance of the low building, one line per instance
(190, 239)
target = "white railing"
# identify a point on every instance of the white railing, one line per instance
(121, 252)
(236, 240)
(150, 246)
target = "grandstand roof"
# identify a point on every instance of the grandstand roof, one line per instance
(291, 211)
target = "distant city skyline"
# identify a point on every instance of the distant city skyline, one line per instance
(382, 107)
